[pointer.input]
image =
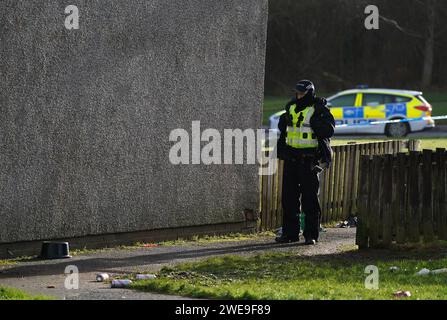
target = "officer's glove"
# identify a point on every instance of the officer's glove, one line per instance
(324, 164)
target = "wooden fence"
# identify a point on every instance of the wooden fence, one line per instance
(339, 184)
(402, 199)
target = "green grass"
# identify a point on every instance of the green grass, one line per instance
(289, 276)
(271, 106)
(15, 294)
(8, 262)
(218, 238)
(439, 104)
(197, 240)
(274, 104)
(426, 143)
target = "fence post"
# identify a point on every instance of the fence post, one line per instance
(274, 207)
(427, 193)
(339, 185)
(363, 203)
(441, 190)
(265, 200)
(374, 207)
(414, 195)
(279, 195)
(327, 190)
(400, 199)
(414, 145)
(386, 199)
(322, 195)
(347, 183)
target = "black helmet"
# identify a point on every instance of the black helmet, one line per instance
(305, 85)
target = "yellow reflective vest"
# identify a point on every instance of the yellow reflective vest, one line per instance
(300, 135)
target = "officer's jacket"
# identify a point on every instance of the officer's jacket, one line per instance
(323, 125)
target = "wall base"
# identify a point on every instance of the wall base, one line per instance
(32, 248)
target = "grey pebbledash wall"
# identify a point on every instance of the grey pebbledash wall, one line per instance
(85, 115)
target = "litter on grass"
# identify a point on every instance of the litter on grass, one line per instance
(145, 276)
(121, 283)
(400, 294)
(101, 277)
(425, 271)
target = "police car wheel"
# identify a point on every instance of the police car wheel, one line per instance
(397, 130)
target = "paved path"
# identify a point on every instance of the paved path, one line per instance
(35, 276)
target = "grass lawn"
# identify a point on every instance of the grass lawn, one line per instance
(275, 104)
(426, 143)
(15, 294)
(289, 276)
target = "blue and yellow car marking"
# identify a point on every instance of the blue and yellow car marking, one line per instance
(353, 112)
(396, 109)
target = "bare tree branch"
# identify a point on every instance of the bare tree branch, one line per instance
(401, 29)
(419, 2)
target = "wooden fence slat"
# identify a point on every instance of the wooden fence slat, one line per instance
(396, 146)
(363, 213)
(355, 179)
(374, 195)
(274, 198)
(339, 184)
(346, 182)
(413, 204)
(395, 195)
(352, 164)
(264, 202)
(279, 201)
(322, 194)
(427, 192)
(435, 194)
(331, 204)
(386, 199)
(339, 189)
(327, 188)
(400, 198)
(441, 157)
(269, 203)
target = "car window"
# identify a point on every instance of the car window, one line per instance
(347, 100)
(401, 99)
(373, 99)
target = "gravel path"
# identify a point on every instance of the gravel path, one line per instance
(35, 276)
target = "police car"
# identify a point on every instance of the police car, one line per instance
(356, 111)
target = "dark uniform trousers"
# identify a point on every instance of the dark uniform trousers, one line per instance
(300, 194)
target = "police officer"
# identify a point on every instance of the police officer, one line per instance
(304, 144)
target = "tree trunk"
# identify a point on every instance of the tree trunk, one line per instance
(429, 45)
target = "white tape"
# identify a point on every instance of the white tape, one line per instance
(391, 121)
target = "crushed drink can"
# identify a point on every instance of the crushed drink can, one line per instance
(437, 271)
(121, 283)
(101, 277)
(145, 276)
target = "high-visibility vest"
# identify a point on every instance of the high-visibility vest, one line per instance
(300, 135)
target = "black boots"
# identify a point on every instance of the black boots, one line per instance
(310, 242)
(285, 239)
